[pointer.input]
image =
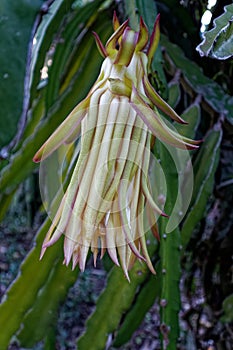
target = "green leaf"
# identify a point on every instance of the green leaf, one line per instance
(211, 92)
(218, 42)
(227, 309)
(16, 21)
(205, 166)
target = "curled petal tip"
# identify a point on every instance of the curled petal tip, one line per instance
(116, 23)
(83, 257)
(191, 147)
(74, 263)
(99, 44)
(143, 36)
(95, 254)
(45, 245)
(151, 267)
(196, 142)
(36, 160)
(112, 41)
(113, 255)
(136, 252)
(156, 124)
(154, 40)
(142, 21)
(43, 250)
(126, 274)
(127, 47)
(37, 157)
(81, 267)
(66, 261)
(157, 100)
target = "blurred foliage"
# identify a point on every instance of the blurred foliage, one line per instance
(217, 42)
(193, 286)
(16, 23)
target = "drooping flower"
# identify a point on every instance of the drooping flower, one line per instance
(103, 205)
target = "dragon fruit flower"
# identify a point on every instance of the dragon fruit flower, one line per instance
(103, 205)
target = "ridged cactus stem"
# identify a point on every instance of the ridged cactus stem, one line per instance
(170, 295)
(170, 250)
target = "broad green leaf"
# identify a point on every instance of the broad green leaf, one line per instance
(16, 22)
(218, 42)
(204, 169)
(211, 92)
(228, 309)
